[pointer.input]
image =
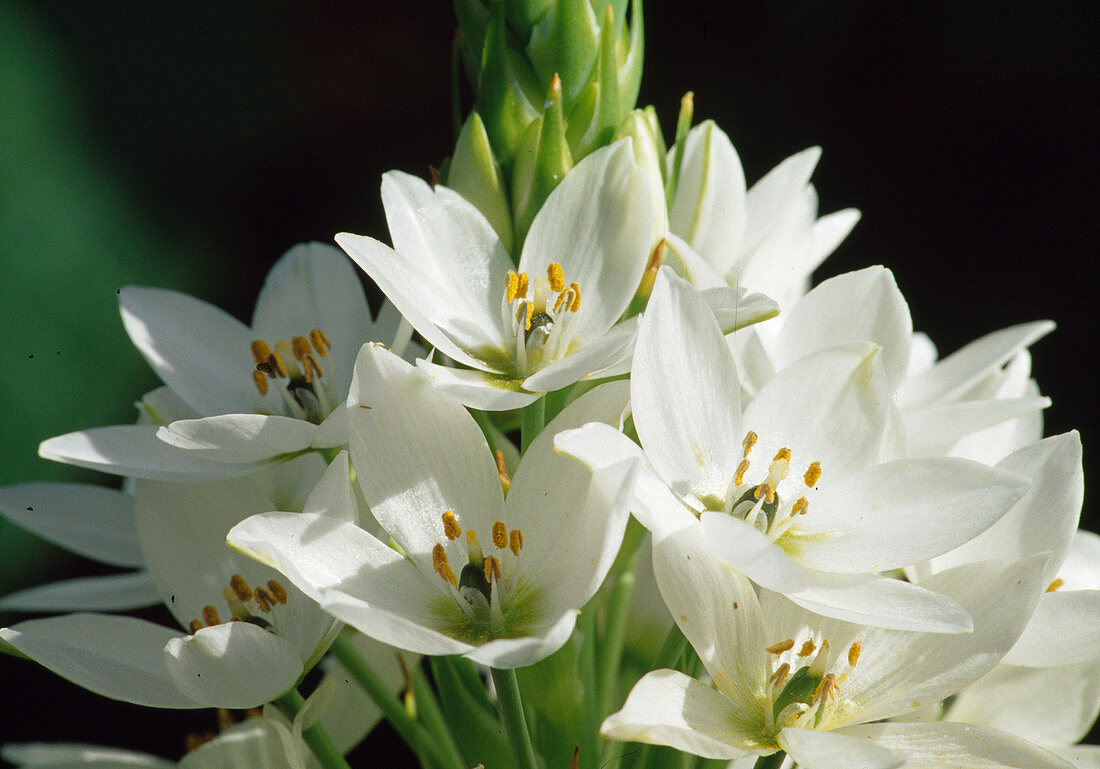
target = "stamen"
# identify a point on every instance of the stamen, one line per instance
(783, 455)
(450, 526)
(285, 353)
(807, 649)
(800, 506)
(813, 474)
(240, 587)
(473, 547)
(491, 569)
(576, 303)
(556, 275)
(264, 599)
(300, 346)
(277, 590)
(313, 369)
(260, 351)
(515, 541)
(502, 471)
(511, 286)
(779, 676)
(780, 647)
(1055, 585)
(320, 342)
(210, 616)
(748, 443)
(274, 367)
(260, 380)
(440, 565)
(194, 627)
(817, 667)
(827, 688)
(766, 491)
(500, 535)
(739, 476)
(853, 653)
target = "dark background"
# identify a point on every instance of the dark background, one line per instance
(190, 145)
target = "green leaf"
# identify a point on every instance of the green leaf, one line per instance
(473, 721)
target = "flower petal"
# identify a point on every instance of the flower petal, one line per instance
(74, 755)
(833, 750)
(1065, 630)
(545, 639)
(669, 708)
(767, 201)
(933, 745)
(735, 308)
(201, 352)
(93, 521)
(599, 224)
(479, 389)
(1081, 569)
(115, 592)
(115, 656)
(684, 391)
(608, 356)
(750, 552)
(933, 430)
(240, 438)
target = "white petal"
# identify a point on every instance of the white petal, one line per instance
(435, 309)
(750, 552)
(526, 650)
(1081, 569)
(882, 602)
(830, 407)
(767, 201)
(133, 451)
(829, 231)
(1080, 756)
(74, 755)
(333, 495)
(117, 592)
(935, 745)
(1048, 706)
(240, 438)
(396, 628)
(254, 742)
(684, 391)
(233, 665)
(895, 514)
(709, 208)
(477, 389)
(417, 454)
(735, 308)
(333, 431)
(607, 356)
(600, 225)
(201, 352)
(825, 318)
(933, 430)
(1064, 630)
(89, 520)
(959, 371)
(117, 657)
(686, 262)
(832, 750)
(314, 285)
(669, 708)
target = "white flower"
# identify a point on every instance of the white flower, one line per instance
(817, 515)
(497, 579)
(768, 239)
(181, 529)
(522, 330)
(243, 395)
(785, 679)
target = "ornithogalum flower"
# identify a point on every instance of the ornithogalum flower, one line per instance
(785, 679)
(498, 579)
(792, 492)
(243, 395)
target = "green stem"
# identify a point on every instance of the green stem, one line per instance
(610, 654)
(774, 761)
(534, 417)
(314, 735)
(411, 731)
(511, 714)
(427, 707)
(671, 650)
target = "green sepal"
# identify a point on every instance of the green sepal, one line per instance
(539, 172)
(618, 9)
(630, 62)
(565, 43)
(683, 126)
(475, 174)
(473, 20)
(505, 90)
(523, 15)
(473, 720)
(648, 145)
(597, 111)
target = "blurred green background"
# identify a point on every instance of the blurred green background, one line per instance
(189, 145)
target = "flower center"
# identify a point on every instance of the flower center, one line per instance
(760, 505)
(246, 605)
(481, 573)
(806, 698)
(298, 378)
(538, 322)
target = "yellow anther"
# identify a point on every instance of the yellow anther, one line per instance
(515, 541)
(210, 616)
(521, 291)
(739, 476)
(800, 506)
(275, 366)
(813, 474)
(240, 587)
(748, 443)
(300, 346)
(780, 647)
(530, 314)
(765, 490)
(313, 369)
(450, 526)
(500, 535)
(807, 649)
(827, 688)
(576, 303)
(557, 276)
(194, 627)
(259, 378)
(853, 653)
(783, 455)
(260, 351)
(229, 596)
(1055, 585)
(502, 471)
(277, 590)
(491, 569)
(264, 599)
(320, 342)
(780, 675)
(511, 286)
(442, 568)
